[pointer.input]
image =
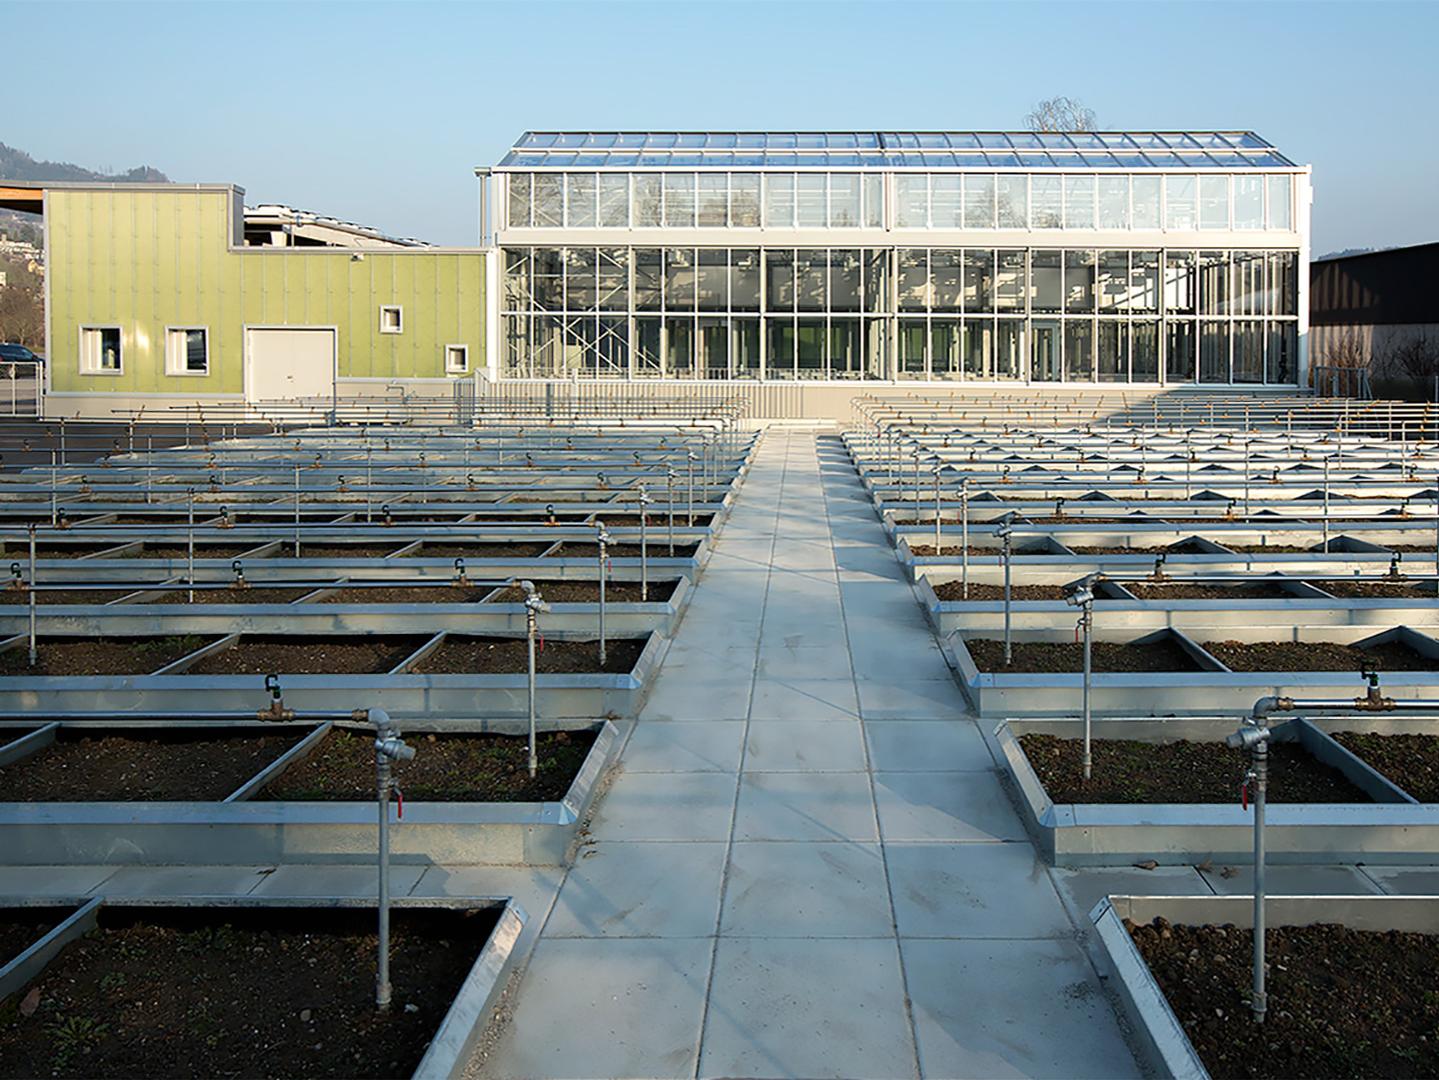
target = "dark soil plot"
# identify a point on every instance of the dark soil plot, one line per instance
(252, 595)
(1317, 656)
(1377, 589)
(62, 596)
(100, 656)
(1342, 1003)
(520, 550)
(1421, 549)
(1411, 761)
(1269, 549)
(1086, 549)
(463, 655)
(1067, 657)
(445, 768)
(1075, 521)
(177, 993)
(656, 547)
(1208, 592)
(334, 551)
(202, 551)
(588, 592)
(410, 594)
(150, 765)
(22, 927)
(62, 551)
(360, 654)
(954, 590)
(1129, 771)
(956, 550)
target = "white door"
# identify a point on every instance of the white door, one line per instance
(289, 362)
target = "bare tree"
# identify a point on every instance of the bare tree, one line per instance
(1417, 357)
(1346, 350)
(1061, 114)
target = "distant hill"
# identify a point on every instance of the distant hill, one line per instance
(18, 165)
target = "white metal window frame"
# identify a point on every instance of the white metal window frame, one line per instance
(176, 362)
(90, 365)
(399, 313)
(463, 351)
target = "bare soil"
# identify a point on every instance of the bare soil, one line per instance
(1086, 549)
(1207, 592)
(308, 654)
(230, 992)
(1379, 589)
(445, 768)
(202, 551)
(954, 590)
(1411, 761)
(160, 766)
(1342, 1002)
(61, 596)
(335, 551)
(1317, 656)
(1067, 657)
(1269, 549)
(956, 550)
(656, 548)
(1422, 549)
(1075, 519)
(463, 655)
(410, 594)
(100, 656)
(588, 592)
(1129, 771)
(22, 927)
(252, 595)
(519, 550)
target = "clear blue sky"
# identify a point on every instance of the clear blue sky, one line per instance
(378, 112)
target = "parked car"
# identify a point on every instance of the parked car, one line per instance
(11, 353)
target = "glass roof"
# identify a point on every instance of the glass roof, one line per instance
(894, 150)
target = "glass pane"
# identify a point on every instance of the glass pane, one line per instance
(1143, 281)
(1013, 201)
(713, 200)
(946, 361)
(1249, 351)
(647, 199)
(1179, 352)
(647, 279)
(1214, 202)
(1044, 360)
(1079, 202)
(779, 280)
(679, 279)
(713, 341)
(978, 202)
(1008, 348)
(516, 346)
(844, 281)
(809, 201)
(844, 200)
(978, 280)
(1144, 352)
(1281, 202)
(1079, 349)
(612, 348)
(876, 280)
(1213, 282)
(913, 335)
(549, 200)
(1144, 202)
(978, 348)
(944, 276)
(549, 279)
(874, 201)
(1079, 282)
(1213, 351)
(911, 200)
(647, 347)
(744, 200)
(1248, 283)
(1046, 293)
(946, 205)
(195, 356)
(811, 270)
(779, 364)
(744, 280)
(580, 207)
(744, 348)
(713, 280)
(547, 353)
(1180, 287)
(1279, 356)
(1046, 202)
(680, 348)
(1113, 280)
(809, 348)
(876, 348)
(846, 360)
(1113, 201)
(913, 279)
(1249, 202)
(580, 268)
(779, 201)
(518, 185)
(1283, 293)
(516, 296)
(1113, 346)
(614, 279)
(614, 200)
(1009, 281)
(679, 200)
(1180, 194)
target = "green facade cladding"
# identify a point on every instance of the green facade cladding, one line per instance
(147, 259)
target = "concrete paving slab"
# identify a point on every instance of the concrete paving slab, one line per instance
(944, 806)
(1011, 1009)
(666, 806)
(685, 746)
(641, 889)
(186, 880)
(312, 879)
(53, 880)
(806, 890)
(593, 1009)
(805, 746)
(1291, 881)
(1081, 888)
(805, 806)
(983, 890)
(915, 699)
(784, 662)
(926, 746)
(787, 1007)
(804, 699)
(1406, 880)
(795, 631)
(681, 699)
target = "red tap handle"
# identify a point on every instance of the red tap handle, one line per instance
(399, 803)
(1244, 795)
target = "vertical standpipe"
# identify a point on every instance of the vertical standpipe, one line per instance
(602, 545)
(389, 747)
(1255, 738)
(534, 604)
(1005, 532)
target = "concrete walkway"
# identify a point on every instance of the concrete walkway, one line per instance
(807, 866)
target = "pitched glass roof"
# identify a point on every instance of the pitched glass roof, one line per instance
(893, 150)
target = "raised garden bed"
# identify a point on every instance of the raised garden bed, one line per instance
(1131, 771)
(1377, 590)
(1318, 656)
(1258, 591)
(446, 768)
(461, 654)
(202, 551)
(99, 656)
(145, 765)
(1274, 549)
(954, 591)
(957, 550)
(308, 654)
(588, 592)
(62, 596)
(286, 550)
(22, 927)
(1409, 760)
(1068, 656)
(160, 992)
(252, 595)
(656, 548)
(409, 594)
(1342, 1002)
(478, 550)
(1183, 547)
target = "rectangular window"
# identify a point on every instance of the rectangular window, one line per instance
(876, 280)
(1013, 201)
(1282, 296)
(1113, 351)
(945, 268)
(517, 280)
(549, 212)
(1046, 292)
(1213, 283)
(945, 357)
(1179, 351)
(648, 275)
(1144, 352)
(809, 348)
(1113, 202)
(679, 279)
(846, 361)
(518, 186)
(1279, 354)
(679, 200)
(1248, 351)
(1079, 349)
(809, 201)
(946, 201)
(1180, 197)
(778, 201)
(1180, 288)
(580, 206)
(713, 279)
(648, 200)
(1144, 202)
(392, 319)
(913, 279)
(911, 201)
(187, 351)
(1214, 202)
(1079, 202)
(779, 362)
(1046, 202)
(614, 200)
(1281, 202)
(1009, 283)
(1143, 281)
(713, 200)
(844, 281)
(844, 200)
(978, 281)
(457, 359)
(100, 350)
(744, 200)
(873, 201)
(744, 280)
(913, 339)
(978, 347)
(779, 280)
(1079, 282)
(581, 269)
(978, 202)
(549, 279)
(1248, 283)
(811, 270)
(614, 279)
(1113, 285)
(1249, 202)
(1214, 351)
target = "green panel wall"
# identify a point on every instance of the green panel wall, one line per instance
(149, 259)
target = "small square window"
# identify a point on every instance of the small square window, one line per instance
(392, 319)
(100, 350)
(187, 350)
(457, 359)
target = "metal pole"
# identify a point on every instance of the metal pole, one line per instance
(1086, 619)
(297, 510)
(534, 604)
(190, 545)
(644, 546)
(670, 483)
(964, 536)
(388, 747)
(32, 596)
(1006, 535)
(1325, 515)
(54, 499)
(690, 465)
(1261, 787)
(937, 508)
(602, 539)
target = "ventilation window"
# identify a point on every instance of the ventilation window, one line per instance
(392, 319)
(100, 350)
(187, 350)
(457, 359)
